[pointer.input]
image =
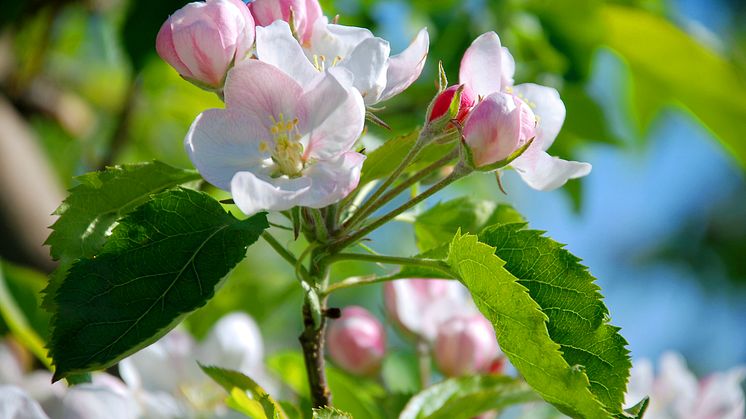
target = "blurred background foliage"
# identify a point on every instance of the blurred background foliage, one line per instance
(656, 99)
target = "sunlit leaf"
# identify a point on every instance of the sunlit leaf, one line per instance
(162, 261)
(234, 380)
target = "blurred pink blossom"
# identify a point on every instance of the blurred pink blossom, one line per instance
(466, 344)
(357, 341)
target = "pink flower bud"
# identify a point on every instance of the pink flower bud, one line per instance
(357, 341)
(497, 126)
(419, 306)
(466, 345)
(302, 13)
(443, 103)
(202, 40)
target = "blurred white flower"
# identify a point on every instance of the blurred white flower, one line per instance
(675, 393)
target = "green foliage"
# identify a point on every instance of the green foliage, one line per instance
(568, 296)
(96, 203)
(521, 328)
(468, 397)
(260, 403)
(437, 225)
(667, 65)
(162, 261)
(330, 413)
(638, 411)
(400, 372)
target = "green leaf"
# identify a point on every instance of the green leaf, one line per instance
(231, 380)
(385, 159)
(468, 397)
(568, 296)
(162, 261)
(400, 372)
(437, 225)
(330, 413)
(637, 411)
(667, 65)
(521, 328)
(100, 199)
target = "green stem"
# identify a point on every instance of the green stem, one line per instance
(458, 172)
(312, 337)
(392, 260)
(403, 186)
(285, 254)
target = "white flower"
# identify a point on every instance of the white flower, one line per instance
(376, 74)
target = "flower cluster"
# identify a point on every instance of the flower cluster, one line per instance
(438, 315)
(161, 381)
(297, 87)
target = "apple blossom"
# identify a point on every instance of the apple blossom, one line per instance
(487, 68)
(280, 142)
(302, 14)
(466, 344)
(419, 306)
(675, 393)
(202, 40)
(17, 404)
(357, 341)
(375, 74)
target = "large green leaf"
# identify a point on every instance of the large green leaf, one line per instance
(667, 65)
(468, 397)
(567, 294)
(162, 261)
(96, 203)
(521, 328)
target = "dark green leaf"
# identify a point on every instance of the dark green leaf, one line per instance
(637, 411)
(521, 328)
(162, 261)
(100, 199)
(468, 397)
(230, 380)
(569, 297)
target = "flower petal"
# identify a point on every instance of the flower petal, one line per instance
(332, 180)
(331, 41)
(219, 145)
(368, 63)
(507, 63)
(164, 45)
(544, 172)
(406, 67)
(276, 45)
(549, 111)
(337, 117)
(252, 193)
(493, 128)
(15, 403)
(481, 65)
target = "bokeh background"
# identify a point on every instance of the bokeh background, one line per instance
(656, 98)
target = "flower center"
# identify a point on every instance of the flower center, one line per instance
(288, 150)
(319, 61)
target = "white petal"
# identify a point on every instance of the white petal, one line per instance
(332, 41)
(234, 342)
(544, 172)
(337, 116)
(507, 63)
(548, 108)
(482, 65)
(91, 401)
(368, 63)
(221, 143)
(253, 193)
(16, 404)
(332, 180)
(276, 45)
(406, 67)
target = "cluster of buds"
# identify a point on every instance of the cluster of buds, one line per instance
(435, 314)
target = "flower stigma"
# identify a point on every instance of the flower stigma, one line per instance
(288, 150)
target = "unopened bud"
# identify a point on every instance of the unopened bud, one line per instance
(466, 345)
(300, 14)
(357, 341)
(442, 104)
(203, 40)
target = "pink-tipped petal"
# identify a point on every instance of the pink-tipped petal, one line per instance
(332, 180)
(253, 193)
(481, 65)
(164, 45)
(493, 129)
(548, 108)
(406, 67)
